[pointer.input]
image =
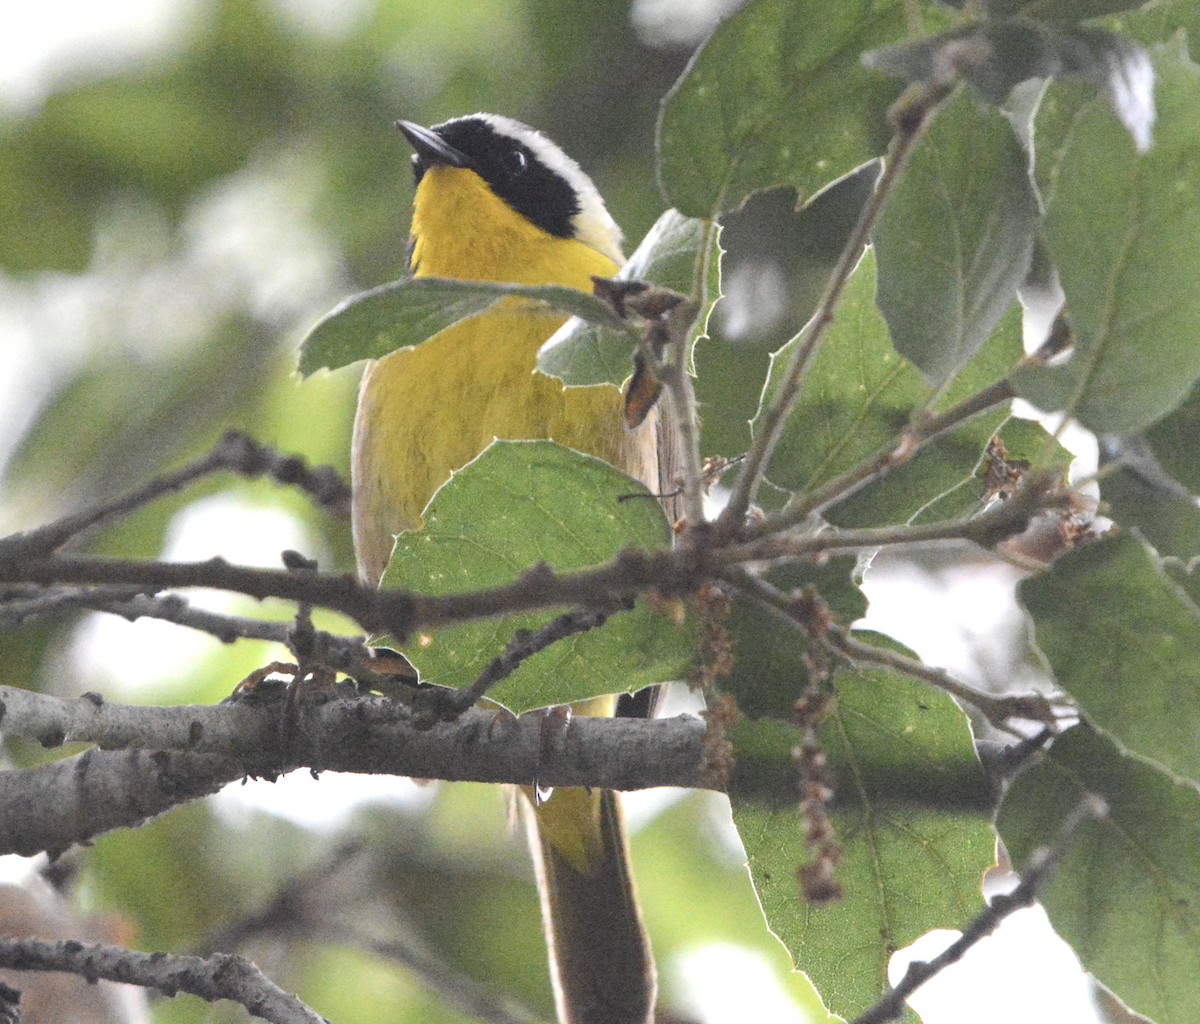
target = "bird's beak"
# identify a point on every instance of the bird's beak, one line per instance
(430, 147)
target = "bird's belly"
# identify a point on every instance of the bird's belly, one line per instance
(425, 412)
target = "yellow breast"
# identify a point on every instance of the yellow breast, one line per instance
(427, 411)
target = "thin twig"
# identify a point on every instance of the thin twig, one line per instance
(999, 711)
(349, 654)
(22, 605)
(235, 451)
(523, 645)
(220, 976)
(1041, 866)
(878, 465)
(909, 118)
(682, 395)
(1038, 493)
(673, 572)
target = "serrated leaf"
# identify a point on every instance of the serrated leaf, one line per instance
(995, 56)
(1158, 21)
(776, 96)
(859, 395)
(584, 352)
(1122, 641)
(1126, 894)
(1123, 230)
(1138, 492)
(1175, 441)
(770, 657)
(776, 261)
(405, 313)
(956, 238)
(911, 810)
(521, 503)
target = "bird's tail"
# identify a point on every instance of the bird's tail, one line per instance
(600, 958)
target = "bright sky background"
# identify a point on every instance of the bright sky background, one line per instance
(1024, 972)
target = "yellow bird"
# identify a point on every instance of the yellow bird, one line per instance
(497, 201)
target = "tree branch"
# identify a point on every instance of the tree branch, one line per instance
(523, 645)
(455, 989)
(234, 451)
(671, 573)
(1039, 492)
(221, 976)
(178, 754)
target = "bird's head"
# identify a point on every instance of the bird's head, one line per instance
(484, 173)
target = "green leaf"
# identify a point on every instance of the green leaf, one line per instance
(1138, 492)
(1159, 21)
(1123, 230)
(776, 96)
(770, 656)
(956, 239)
(995, 56)
(859, 395)
(584, 352)
(1122, 641)
(521, 503)
(911, 809)
(1175, 441)
(1125, 896)
(776, 261)
(405, 313)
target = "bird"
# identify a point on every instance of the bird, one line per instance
(496, 200)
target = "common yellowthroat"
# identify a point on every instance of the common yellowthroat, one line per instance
(497, 201)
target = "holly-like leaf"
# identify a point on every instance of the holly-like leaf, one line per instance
(405, 313)
(956, 239)
(776, 260)
(1125, 896)
(1162, 19)
(519, 504)
(777, 96)
(592, 351)
(1175, 441)
(1139, 493)
(1123, 230)
(995, 56)
(911, 810)
(1122, 641)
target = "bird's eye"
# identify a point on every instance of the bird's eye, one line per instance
(515, 161)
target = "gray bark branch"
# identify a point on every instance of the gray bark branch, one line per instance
(220, 976)
(153, 758)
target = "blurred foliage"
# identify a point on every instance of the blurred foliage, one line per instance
(171, 227)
